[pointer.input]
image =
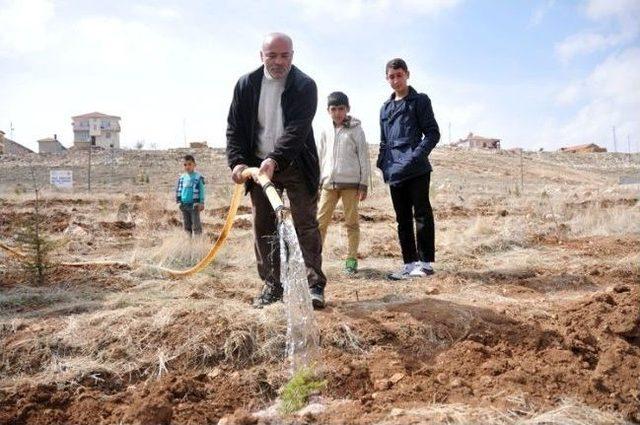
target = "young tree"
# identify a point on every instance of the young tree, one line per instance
(36, 246)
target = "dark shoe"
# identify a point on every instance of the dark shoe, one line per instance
(317, 297)
(270, 294)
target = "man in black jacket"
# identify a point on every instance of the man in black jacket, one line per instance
(269, 126)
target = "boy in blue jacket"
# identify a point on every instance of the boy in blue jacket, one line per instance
(409, 132)
(190, 196)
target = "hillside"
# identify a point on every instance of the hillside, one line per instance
(532, 315)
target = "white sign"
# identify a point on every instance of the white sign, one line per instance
(61, 178)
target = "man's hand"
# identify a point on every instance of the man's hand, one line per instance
(198, 206)
(268, 167)
(362, 195)
(236, 174)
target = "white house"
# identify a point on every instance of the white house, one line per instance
(105, 128)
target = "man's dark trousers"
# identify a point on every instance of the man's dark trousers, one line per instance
(411, 201)
(304, 206)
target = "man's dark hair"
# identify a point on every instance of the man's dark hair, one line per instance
(189, 158)
(396, 63)
(337, 98)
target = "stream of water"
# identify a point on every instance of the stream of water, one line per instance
(303, 337)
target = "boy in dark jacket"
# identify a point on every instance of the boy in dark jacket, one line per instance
(408, 134)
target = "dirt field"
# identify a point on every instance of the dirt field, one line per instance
(532, 317)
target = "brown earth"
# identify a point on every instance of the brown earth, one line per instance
(421, 351)
(513, 325)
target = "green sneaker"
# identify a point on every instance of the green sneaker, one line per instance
(351, 266)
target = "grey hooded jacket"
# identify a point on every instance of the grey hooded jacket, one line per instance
(344, 156)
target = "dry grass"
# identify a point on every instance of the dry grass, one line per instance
(482, 235)
(176, 249)
(150, 339)
(34, 302)
(598, 221)
(629, 264)
(343, 337)
(569, 412)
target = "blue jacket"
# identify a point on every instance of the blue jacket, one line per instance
(408, 134)
(190, 188)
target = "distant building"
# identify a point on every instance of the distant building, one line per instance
(50, 145)
(105, 128)
(9, 147)
(198, 145)
(479, 142)
(589, 147)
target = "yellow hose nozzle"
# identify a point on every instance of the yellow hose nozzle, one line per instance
(269, 189)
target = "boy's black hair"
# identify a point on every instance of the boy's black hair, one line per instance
(396, 63)
(189, 158)
(337, 98)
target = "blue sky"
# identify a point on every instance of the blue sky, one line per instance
(537, 74)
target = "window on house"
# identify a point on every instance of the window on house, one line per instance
(108, 135)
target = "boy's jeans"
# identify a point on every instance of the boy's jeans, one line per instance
(328, 201)
(191, 218)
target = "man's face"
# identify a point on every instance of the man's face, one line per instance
(397, 79)
(276, 57)
(338, 113)
(189, 166)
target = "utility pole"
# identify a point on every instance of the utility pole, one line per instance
(11, 130)
(449, 132)
(92, 141)
(184, 131)
(615, 143)
(112, 163)
(521, 173)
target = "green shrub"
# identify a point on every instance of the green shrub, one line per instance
(296, 392)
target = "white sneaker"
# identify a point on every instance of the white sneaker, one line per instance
(421, 269)
(402, 274)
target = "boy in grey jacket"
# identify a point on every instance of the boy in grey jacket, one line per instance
(344, 172)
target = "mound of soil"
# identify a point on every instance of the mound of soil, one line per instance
(474, 356)
(52, 222)
(222, 212)
(169, 400)
(119, 228)
(384, 354)
(366, 214)
(66, 277)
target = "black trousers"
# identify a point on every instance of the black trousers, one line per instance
(411, 202)
(304, 209)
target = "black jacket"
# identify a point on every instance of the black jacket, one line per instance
(408, 134)
(297, 144)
